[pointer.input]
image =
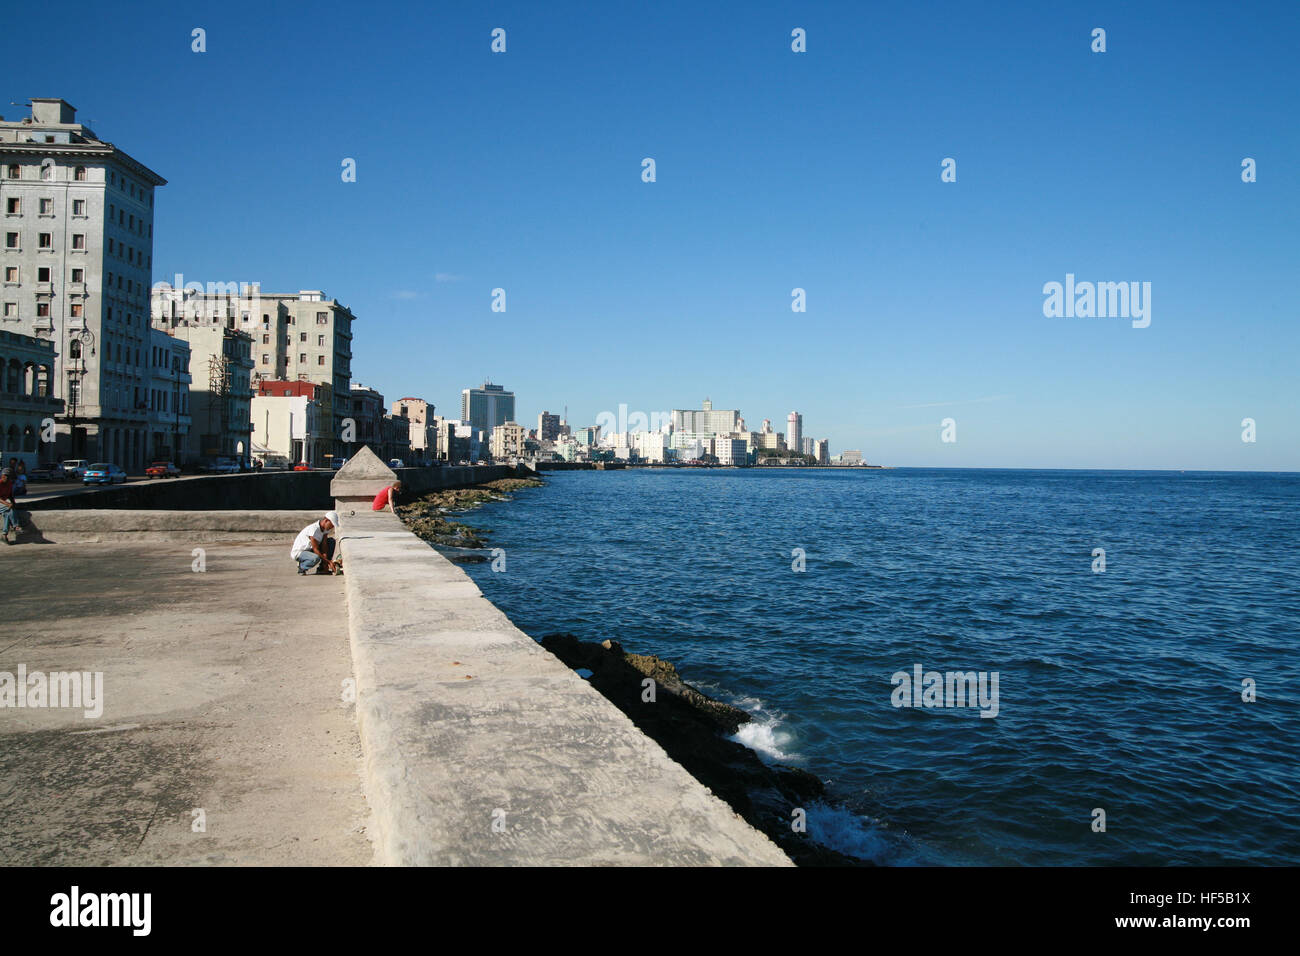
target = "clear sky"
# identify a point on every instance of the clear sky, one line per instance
(775, 170)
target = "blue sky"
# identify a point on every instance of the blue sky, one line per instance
(775, 170)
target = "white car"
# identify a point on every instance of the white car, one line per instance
(75, 468)
(395, 463)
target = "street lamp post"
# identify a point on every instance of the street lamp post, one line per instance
(176, 409)
(86, 338)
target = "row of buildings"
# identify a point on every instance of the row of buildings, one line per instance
(705, 435)
(98, 363)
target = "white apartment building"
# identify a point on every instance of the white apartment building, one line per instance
(508, 440)
(650, 446)
(794, 432)
(169, 396)
(77, 262)
(706, 420)
(291, 426)
(730, 451)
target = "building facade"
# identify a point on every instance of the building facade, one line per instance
(77, 263)
(487, 406)
(169, 397)
(221, 392)
(508, 440)
(423, 435)
(706, 420)
(27, 406)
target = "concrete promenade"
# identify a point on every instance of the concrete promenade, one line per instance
(461, 741)
(222, 692)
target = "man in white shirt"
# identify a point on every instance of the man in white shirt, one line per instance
(315, 545)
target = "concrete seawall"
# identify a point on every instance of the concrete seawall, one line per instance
(481, 748)
(257, 491)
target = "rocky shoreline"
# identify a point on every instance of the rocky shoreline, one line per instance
(693, 729)
(425, 516)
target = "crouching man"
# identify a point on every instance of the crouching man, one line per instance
(315, 546)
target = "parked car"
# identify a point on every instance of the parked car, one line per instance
(337, 463)
(75, 468)
(395, 463)
(103, 473)
(275, 463)
(302, 466)
(225, 466)
(53, 471)
(162, 469)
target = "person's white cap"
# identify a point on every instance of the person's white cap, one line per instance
(332, 517)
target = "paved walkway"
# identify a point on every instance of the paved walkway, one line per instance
(222, 692)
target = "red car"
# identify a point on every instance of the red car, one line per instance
(302, 466)
(162, 469)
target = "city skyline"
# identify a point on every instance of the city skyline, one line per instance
(925, 299)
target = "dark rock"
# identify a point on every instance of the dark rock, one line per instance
(692, 728)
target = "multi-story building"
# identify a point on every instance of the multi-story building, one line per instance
(26, 403)
(423, 434)
(77, 262)
(487, 406)
(794, 432)
(651, 446)
(367, 416)
(707, 420)
(296, 429)
(289, 425)
(508, 440)
(395, 439)
(822, 451)
(221, 392)
(851, 456)
(548, 427)
(730, 451)
(169, 396)
(587, 436)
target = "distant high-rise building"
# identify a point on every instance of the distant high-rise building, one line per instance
(794, 432)
(486, 407)
(548, 426)
(419, 415)
(706, 420)
(822, 451)
(809, 446)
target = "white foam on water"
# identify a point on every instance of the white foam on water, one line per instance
(841, 829)
(766, 738)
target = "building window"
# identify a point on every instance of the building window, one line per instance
(45, 240)
(47, 172)
(322, 318)
(320, 360)
(266, 359)
(11, 273)
(76, 310)
(78, 207)
(78, 275)
(43, 309)
(266, 339)
(80, 174)
(78, 240)
(11, 240)
(14, 171)
(47, 207)
(110, 247)
(13, 206)
(302, 336)
(320, 340)
(302, 358)
(43, 274)
(11, 310)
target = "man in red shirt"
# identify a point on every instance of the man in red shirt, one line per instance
(8, 510)
(387, 498)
